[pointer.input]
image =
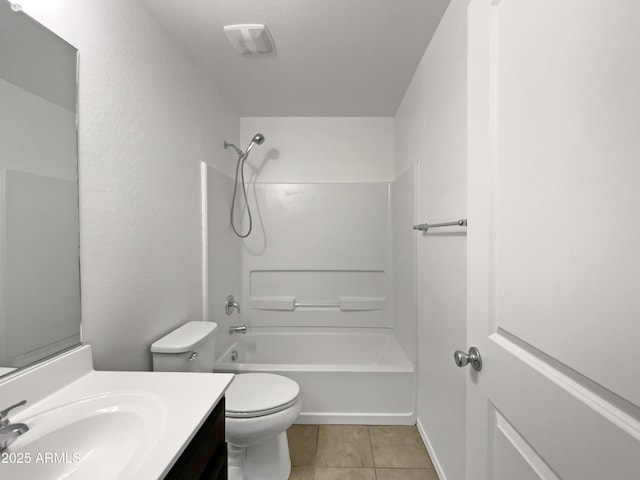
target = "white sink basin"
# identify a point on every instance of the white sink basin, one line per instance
(86, 424)
(106, 436)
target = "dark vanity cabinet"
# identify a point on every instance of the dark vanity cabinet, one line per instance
(205, 458)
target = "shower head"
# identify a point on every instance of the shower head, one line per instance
(258, 139)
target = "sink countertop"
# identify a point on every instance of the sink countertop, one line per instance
(186, 398)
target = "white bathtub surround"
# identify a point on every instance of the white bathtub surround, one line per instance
(346, 375)
(403, 261)
(431, 132)
(223, 250)
(319, 264)
(164, 411)
(318, 244)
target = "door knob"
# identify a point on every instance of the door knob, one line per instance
(473, 357)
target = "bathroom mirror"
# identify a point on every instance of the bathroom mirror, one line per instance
(39, 227)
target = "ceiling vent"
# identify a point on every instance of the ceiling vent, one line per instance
(250, 39)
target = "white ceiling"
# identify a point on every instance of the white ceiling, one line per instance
(334, 57)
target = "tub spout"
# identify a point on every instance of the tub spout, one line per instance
(238, 329)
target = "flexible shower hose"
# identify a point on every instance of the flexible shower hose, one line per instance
(240, 167)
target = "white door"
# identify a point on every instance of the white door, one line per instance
(554, 239)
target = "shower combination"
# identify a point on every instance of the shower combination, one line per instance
(258, 139)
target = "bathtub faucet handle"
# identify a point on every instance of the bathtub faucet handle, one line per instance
(229, 304)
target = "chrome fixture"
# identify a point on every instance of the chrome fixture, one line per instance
(473, 357)
(10, 431)
(238, 329)
(192, 357)
(424, 227)
(234, 355)
(229, 304)
(258, 139)
(238, 151)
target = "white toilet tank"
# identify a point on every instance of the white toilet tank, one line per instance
(189, 348)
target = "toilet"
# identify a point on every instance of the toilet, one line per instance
(259, 406)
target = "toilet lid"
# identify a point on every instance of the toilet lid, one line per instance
(257, 394)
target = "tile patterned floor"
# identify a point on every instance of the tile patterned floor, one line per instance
(358, 452)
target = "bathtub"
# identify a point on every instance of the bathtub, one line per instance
(346, 375)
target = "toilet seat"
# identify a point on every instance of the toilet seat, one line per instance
(257, 394)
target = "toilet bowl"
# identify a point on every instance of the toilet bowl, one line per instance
(260, 407)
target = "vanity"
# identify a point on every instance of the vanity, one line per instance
(206, 455)
(94, 425)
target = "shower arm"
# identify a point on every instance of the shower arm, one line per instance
(238, 151)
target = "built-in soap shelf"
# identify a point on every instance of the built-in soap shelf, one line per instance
(345, 304)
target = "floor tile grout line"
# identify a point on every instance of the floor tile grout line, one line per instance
(315, 455)
(373, 459)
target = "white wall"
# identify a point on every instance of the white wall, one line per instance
(147, 119)
(320, 149)
(431, 132)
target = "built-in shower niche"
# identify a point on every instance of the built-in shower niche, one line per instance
(319, 297)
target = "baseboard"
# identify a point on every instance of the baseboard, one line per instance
(320, 418)
(432, 453)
